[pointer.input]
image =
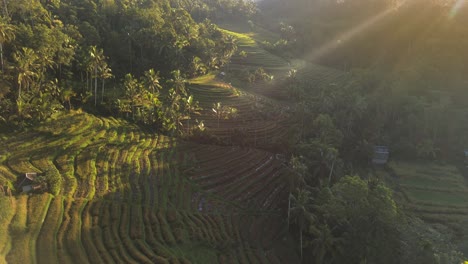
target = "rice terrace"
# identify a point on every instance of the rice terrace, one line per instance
(233, 132)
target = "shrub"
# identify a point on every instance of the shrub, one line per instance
(54, 180)
(204, 137)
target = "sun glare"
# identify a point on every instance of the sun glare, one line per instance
(339, 40)
(456, 7)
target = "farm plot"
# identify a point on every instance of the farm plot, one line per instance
(437, 193)
(248, 177)
(255, 57)
(257, 121)
(124, 197)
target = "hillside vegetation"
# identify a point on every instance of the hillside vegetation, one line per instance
(223, 132)
(123, 195)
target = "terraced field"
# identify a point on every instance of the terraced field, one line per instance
(126, 196)
(436, 193)
(122, 195)
(257, 57)
(259, 119)
(321, 76)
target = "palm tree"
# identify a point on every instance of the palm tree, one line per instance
(301, 107)
(96, 60)
(223, 111)
(105, 73)
(5, 9)
(132, 91)
(324, 242)
(300, 210)
(197, 67)
(66, 96)
(296, 178)
(179, 83)
(230, 47)
(151, 80)
(7, 33)
(26, 68)
(217, 110)
(190, 106)
(174, 110)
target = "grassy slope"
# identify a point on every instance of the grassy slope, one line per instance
(123, 197)
(249, 41)
(251, 104)
(133, 206)
(437, 193)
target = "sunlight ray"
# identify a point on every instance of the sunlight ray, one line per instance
(346, 36)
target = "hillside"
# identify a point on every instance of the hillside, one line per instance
(435, 192)
(212, 131)
(128, 196)
(123, 194)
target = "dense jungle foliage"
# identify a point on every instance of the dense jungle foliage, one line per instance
(98, 55)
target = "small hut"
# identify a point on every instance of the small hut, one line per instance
(221, 75)
(465, 152)
(381, 154)
(29, 183)
(31, 176)
(27, 188)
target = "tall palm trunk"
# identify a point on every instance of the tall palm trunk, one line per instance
(188, 126)
(300, 232)
(5, 8)
(87, 81)
(1, 55)
(102, 96)
(19, 90)
(289, 208)
(331, 172)
(95, 86)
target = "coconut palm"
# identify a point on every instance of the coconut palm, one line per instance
(197, 67)
(217, 110)
(151, 80)
(66, 95)
(27, 66)
(7, 33)
(191, 107)
(324, 242)
(230, 45)
(133, 92)
(174, 110)
(225, 112)
(104, 73)
(5, 9)
(296, 178)
(96, 59)
(301, 203)
(178, 83)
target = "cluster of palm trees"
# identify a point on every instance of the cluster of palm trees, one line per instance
(96, 68)
(47, 51)
(7, 33)
(304, 213)
(31, 72)
(144, 101)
